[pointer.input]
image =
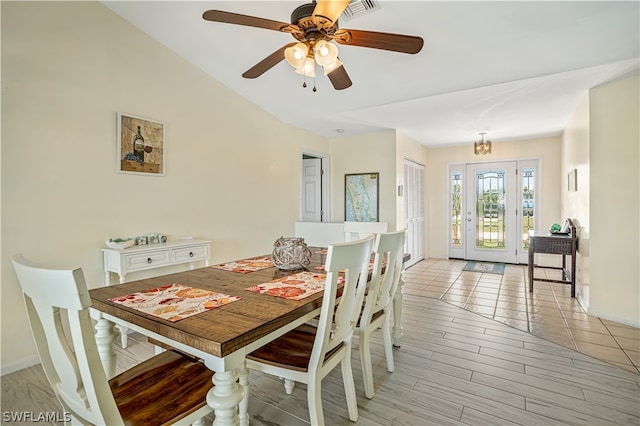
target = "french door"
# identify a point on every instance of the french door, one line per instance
(492, 208)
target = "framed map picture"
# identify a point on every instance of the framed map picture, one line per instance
(361, 193)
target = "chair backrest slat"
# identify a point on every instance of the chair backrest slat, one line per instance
(336, 324)
(387, 267)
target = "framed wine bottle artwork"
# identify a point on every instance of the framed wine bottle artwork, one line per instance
(141, 145)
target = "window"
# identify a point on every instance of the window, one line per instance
(528, 204)
(456, 209)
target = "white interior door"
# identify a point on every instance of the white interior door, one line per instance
(414, 210)
(311, 196)
(490, 217)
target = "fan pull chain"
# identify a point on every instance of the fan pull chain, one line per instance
(304, 82)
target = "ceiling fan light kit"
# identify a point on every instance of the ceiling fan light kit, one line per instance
(325, 53)
(308, 68)
(328, 69)
(315, 26)
(296, 54)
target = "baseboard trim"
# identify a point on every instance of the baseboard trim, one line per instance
(608, 316)
(20, 365)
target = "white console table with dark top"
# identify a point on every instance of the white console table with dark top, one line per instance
(153, 256)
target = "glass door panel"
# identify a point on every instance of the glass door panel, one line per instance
(491, 212)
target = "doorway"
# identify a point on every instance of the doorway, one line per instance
(492, 208)
(314, 191)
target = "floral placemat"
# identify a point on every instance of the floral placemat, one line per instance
(295, 287)
(245, 266)
(174, 302)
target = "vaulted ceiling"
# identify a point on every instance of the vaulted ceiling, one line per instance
(513, 69)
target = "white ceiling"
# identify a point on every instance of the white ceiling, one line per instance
(513, 69)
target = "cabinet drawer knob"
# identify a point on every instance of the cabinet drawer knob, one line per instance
(190, 254)
(149, 260)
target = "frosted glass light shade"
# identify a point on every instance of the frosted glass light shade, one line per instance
(296, 54)
(329, 68)
(308, 69)
(325, 52)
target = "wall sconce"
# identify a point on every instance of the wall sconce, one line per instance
(482, 147)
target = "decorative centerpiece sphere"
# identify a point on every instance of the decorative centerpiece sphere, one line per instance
(290, 253)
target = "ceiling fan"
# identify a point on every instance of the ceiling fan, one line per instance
(314, 26)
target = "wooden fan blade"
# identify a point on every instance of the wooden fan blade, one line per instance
(330, 9)
(339, 78)
(267, 63)
(238, 19)
(385, 41)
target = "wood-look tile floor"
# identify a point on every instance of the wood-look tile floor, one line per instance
(549, 312)
(454, 367)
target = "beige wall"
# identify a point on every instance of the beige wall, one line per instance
(575, 205)
(69, 67)
(615, 203)
(372, 152)
(546, 149)
(232, 170)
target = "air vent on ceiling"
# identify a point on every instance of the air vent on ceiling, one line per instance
(358, 8)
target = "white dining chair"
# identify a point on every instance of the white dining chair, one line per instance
(168, 388)
(357, 230)
(307, 353)
(387, 267)
(320, 234)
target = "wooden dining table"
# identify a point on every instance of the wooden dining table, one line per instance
(221, 337)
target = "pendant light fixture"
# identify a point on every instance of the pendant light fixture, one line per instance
(482, 147)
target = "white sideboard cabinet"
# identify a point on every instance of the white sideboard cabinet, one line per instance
(153, 256)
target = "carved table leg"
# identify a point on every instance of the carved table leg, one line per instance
(243, 408)
(105, 337)
(225, 397)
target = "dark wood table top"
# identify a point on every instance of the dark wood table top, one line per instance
(223, 330)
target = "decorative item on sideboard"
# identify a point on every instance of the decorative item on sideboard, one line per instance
(140, 240)
(120, 243)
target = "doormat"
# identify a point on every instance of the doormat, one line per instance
(486, 267)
